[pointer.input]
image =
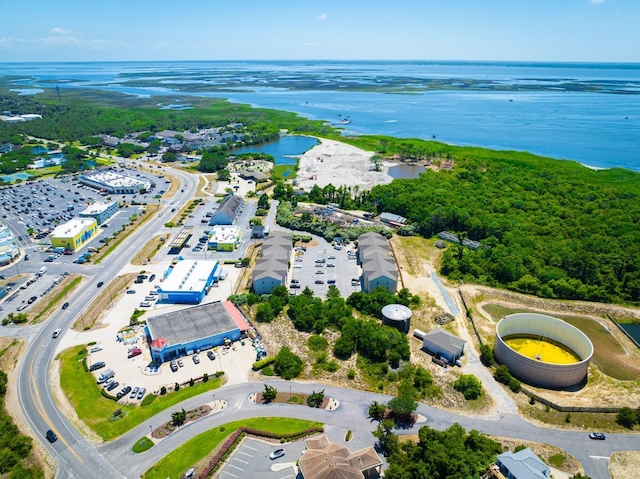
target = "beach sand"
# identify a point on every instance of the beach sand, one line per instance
(339, 164)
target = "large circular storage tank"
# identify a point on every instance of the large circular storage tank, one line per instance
(397, 316)
(542, 328)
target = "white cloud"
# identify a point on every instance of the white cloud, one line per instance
(310, 44)
(60, 31)
(322, 16)
(595, 2)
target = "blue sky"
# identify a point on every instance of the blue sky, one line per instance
(526, 30)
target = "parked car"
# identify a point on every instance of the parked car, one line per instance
(134, 352)
(123, 392)
(174, 366)
(112, 385)
(152, 277)
(96, 366)
(319, 281)
(211, 355)
(196, 359)
(145, 304)
(141, 393)
(51, 436)
(180, 363)
(95, 349)
(276, 454)
(56, 333)
(134, 393)
(32, 299)
(597, 435)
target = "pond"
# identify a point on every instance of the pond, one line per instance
(633, 330)
(406, 171)
(285, 150)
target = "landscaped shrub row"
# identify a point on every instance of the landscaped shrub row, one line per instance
(104, 393)
(236, 436)
(258, 365)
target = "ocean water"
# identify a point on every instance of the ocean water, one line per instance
(589, 113)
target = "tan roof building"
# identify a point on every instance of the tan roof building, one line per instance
(324, 459)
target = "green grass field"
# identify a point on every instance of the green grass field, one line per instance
(284, 172)
(195, 449)
(84, 394)
(608, 354)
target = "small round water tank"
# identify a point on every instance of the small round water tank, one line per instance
(397, 316)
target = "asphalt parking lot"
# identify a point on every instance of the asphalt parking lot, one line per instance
(322, 265)
(251, 459)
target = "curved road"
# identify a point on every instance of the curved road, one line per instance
(77, 458)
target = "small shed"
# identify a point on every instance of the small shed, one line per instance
(442, 344)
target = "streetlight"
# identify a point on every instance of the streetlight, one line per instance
(150, 429)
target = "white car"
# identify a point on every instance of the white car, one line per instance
(297, 266)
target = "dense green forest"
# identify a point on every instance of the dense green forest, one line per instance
(14, 447)
(78, 116)
(438, 454)
(550, 228)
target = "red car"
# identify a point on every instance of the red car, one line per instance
(134, 352)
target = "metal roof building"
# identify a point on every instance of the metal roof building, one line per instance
(273, 268)
(378, 268)
(100, 211)
(227, 211)
(114, 183)
(523, 464)
(188, 280)
(194, 329)
(444, 344)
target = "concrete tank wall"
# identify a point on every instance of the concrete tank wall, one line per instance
(536, 372)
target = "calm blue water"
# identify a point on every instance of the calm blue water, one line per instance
(597, 129)
(633, 330)
(283, 149)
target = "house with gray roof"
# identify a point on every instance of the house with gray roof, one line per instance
(378, 267)
(443, 344)
(227, 211)
(272, 269)
(523, 464)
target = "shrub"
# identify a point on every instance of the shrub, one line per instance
(84, 365)
(104, 393)
(351, 374)
(486, 355)
(191, 382)
(205, 378)
(469, 386)
(515, 385)
(176, 387)
(502, 374)
(258, 365)
(163, 391)
(268, 371)
(317, 343)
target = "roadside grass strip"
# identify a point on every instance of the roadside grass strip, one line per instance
(198, 447)
(97, 411)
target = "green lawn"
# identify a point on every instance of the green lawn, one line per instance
(280, 172)
(142, 445)
(84, 394)
(195, 449)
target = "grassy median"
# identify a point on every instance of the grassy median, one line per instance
(95, 410)
(197, 448)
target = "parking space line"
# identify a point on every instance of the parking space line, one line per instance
(249, 447)
(233, 475)
(235, 467)
(246, 454)
(286, 477)
(236, 459)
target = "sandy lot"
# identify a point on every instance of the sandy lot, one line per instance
(339, 164)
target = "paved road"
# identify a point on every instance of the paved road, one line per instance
(352, 414)
(76, 457)
(79, 459)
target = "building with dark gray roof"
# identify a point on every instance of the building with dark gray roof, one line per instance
(378, 268)
(523, 464)
(443, 344)
(227, 211)
(194, 329)
(272, 269)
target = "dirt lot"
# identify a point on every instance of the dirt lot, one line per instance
(624, 464)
